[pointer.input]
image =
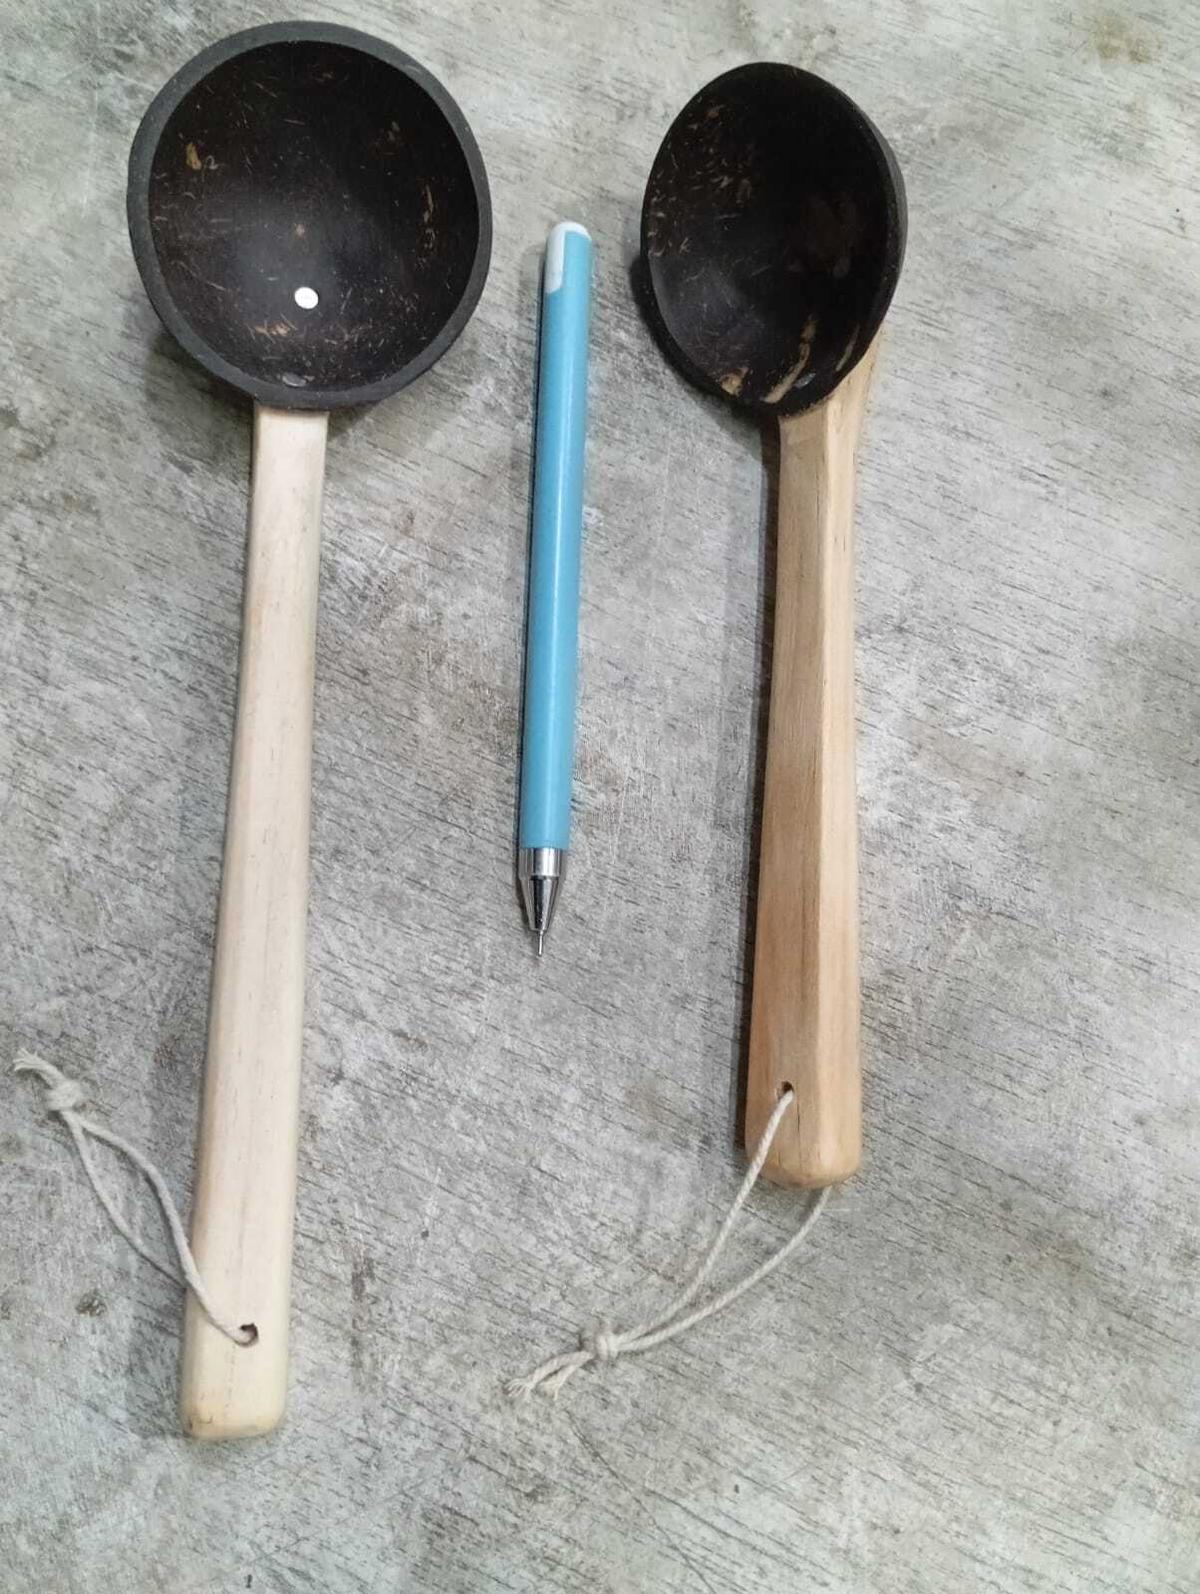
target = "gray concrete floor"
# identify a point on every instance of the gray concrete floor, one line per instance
(983, 1375)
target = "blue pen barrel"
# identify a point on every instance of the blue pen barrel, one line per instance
(552, 644)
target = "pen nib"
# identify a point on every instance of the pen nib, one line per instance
(540, 872)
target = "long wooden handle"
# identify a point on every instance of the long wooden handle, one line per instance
(805, 1006)
(246, 1169)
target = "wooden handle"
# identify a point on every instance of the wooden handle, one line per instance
(804, 1013)
(246, 1164)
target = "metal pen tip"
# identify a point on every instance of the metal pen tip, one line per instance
(540, 872)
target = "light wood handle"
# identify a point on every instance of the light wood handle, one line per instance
(246, 1162)
(805, 1006)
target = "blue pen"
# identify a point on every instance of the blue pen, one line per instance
(548, 744)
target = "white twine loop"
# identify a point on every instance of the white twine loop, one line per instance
(65, 1097)
(600, 1343)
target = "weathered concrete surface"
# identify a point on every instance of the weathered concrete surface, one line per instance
(984, 1373)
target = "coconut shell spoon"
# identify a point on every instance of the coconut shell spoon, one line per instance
(772, 235)
(310, 216)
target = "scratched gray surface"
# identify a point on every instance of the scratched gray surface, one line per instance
(984, 1373)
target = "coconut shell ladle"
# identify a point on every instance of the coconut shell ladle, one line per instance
(772, 235)
(310, 216)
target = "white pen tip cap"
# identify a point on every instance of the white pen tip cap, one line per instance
(556, 247)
